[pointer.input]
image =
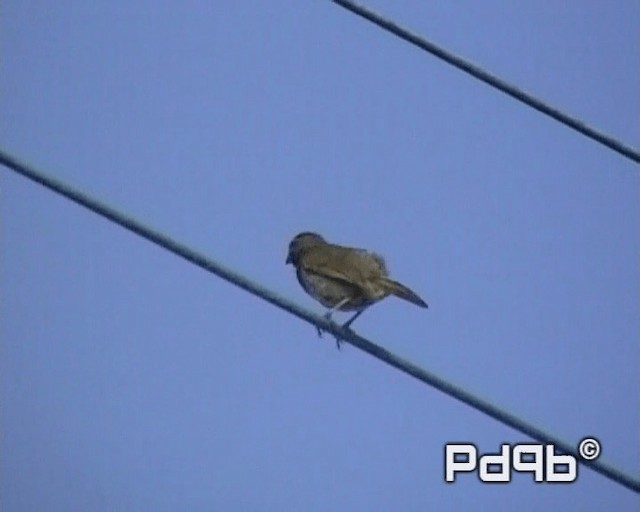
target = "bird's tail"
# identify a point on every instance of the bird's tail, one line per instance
(400, 290)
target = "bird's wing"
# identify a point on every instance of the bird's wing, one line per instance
(365, 264)
(348, 265)
(331, 267)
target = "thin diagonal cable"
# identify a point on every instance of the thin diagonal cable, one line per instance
(490, 79)
(349, 336)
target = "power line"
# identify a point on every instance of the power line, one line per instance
(349, 336)
(492, 80)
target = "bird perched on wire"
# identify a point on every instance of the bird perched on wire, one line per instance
(343, 278)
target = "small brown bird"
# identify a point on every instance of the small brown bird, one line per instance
(343, 278)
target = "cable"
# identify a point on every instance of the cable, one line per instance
(349, 336)
(490, 79)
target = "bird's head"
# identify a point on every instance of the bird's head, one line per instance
(302, 243)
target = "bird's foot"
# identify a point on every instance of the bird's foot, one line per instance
(347, 326)
(338, 339)
(327, 316)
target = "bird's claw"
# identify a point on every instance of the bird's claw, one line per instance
(338, 339)
(347, 328)
(326, 316)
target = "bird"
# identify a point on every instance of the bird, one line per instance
(343, 278)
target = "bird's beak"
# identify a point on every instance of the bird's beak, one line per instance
(289, 260)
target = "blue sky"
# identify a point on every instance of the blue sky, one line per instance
(131, 380)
